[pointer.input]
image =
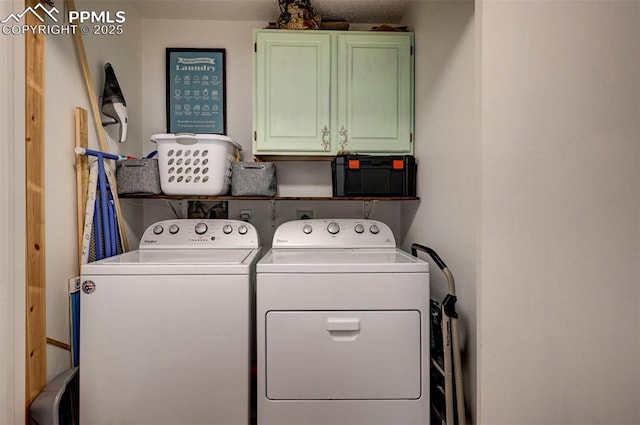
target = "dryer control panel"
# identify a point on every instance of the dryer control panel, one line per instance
(200, 233)
(334, 233)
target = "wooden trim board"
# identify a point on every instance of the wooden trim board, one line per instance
(36, 302)
(82, 172)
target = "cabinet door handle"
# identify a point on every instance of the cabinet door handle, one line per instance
(343, 139)
(326, 143)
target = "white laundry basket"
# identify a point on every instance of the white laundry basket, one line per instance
(195, 164)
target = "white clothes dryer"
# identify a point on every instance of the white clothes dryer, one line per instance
(342, 327)
(165, 331)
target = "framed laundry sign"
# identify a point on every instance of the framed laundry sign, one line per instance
(196, 91)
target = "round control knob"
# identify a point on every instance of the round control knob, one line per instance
(201, 228)
(333, 228)
(227, 229)
(158, 229)
(359, 228)
(173, 229)
(307, 229)
(243, 230)
(374, 229)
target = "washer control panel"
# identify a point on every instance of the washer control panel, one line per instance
(334, 233)
(200, 233)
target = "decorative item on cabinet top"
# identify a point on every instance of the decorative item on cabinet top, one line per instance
(340, 25)
(298, 15)
(389, 28)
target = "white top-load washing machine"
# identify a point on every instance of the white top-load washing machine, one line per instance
(342, 327)
(165, 330)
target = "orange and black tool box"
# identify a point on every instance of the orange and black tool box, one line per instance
(369, 175)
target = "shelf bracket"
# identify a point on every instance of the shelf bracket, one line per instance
(273, 213)
(367, 206)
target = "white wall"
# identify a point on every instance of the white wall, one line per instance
(12, 225)
(558, 301)
(65, 90)
(448, 155)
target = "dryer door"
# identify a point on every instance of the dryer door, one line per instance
(343, 355)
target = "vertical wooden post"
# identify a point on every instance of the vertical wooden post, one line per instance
(36, 338)
(82, 172)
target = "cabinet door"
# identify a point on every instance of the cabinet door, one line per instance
(375, 93)
(292, 93)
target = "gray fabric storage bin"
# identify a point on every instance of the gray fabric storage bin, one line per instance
(138, 176)
(253, 179)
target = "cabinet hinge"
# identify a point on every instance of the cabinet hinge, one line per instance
(411, 50)
(410, 137)
(255, 136)
(255, 47)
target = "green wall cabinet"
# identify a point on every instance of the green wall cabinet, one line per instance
(328, 92)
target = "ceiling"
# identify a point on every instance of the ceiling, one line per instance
(355, 11)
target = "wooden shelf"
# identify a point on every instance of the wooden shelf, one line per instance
(347, 198)
(275, 198)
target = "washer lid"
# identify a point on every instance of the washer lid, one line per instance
(175, 261)
(348, 260)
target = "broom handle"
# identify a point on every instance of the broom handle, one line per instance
(97, 119)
